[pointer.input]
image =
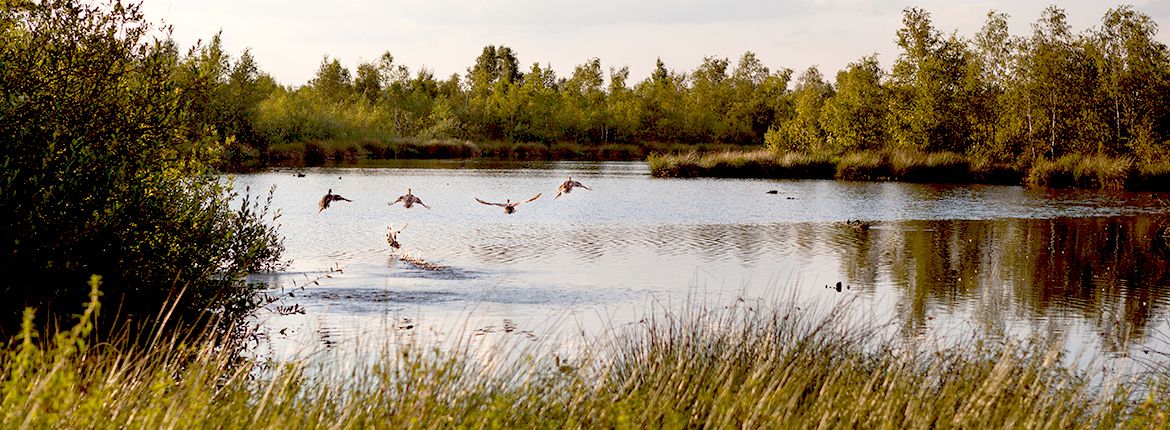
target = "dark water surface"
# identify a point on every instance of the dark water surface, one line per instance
(938, 262)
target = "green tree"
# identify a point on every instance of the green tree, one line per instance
(757, 97)
(583, 106)
(495, 72)
(661, 105)
(803, 131)
(1136, 77)
(241, 95)
(333, 81)
(998, 127)
(622, 107)
(105, 175)
(1058, 80)
(368, 82)
(927, 87)
(707, 99)
(855, 117)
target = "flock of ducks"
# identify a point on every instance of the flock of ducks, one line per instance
(409, 200)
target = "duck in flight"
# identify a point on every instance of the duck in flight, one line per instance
(509, 206)
(409, 200)
(567, 187)
(392, 236)
(329, 198)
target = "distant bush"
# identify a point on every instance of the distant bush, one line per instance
(107, 173)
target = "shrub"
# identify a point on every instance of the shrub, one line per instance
(106, 172)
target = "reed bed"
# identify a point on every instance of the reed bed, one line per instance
(1082, 171)
(742, 164)
(1151, 177)
(1079, 171)
(745, 366)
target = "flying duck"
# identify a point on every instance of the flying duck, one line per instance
(509, 206)
(392, 236)
(329, 198)
(567, 187)
(409, 200)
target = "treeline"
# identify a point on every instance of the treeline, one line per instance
(995, 95)
(1053, 93)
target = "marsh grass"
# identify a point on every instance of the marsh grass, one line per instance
(743, 366)
(1151, 177)
(741, 164)
(1083, 171)
(1080, 171)
(909, 166)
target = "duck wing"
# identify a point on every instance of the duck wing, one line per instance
(490, 204)
(338, 197)
(400, 199)
(537, 196)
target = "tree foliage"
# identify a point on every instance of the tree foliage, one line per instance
(107, 134)
(1004, 97)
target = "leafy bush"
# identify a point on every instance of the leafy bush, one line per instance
(106, 171)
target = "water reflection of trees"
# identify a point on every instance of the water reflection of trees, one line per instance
(1108, 272)
(1111, 273)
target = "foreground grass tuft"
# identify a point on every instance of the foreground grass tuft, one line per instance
(733, 368)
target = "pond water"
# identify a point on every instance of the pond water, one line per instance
(937, 262)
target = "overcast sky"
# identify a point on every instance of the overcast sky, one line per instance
(290, 37)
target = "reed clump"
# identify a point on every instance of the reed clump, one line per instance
(742, 164)
(1082, 171)
(1151, 177)
(744, 366)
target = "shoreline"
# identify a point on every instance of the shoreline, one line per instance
(341, 152)
(712, 160)
(1070, 171)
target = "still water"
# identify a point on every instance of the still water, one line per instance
(938, 262)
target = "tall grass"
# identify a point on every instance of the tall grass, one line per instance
(741, 164)
(1082, 171)
(747, 366)
(1151, 177)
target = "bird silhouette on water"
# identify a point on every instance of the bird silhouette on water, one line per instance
(329, 198)
(567, 187)
(509, 206)
(409, 200)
